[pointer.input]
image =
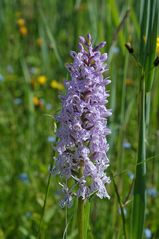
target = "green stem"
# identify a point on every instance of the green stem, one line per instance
(121, 206)
(44, 205)
(80, 218)
(80, 212)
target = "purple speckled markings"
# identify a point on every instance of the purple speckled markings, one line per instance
(83, 125)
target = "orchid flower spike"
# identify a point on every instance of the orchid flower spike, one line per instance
(82, 146)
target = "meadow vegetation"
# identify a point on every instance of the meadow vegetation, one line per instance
(35, 40)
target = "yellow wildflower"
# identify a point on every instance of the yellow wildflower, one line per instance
(42, 80)
(56, 85)
(157, 46)
(21, 22)
(39, 41)
(36, 100)
(23, 30)
(129, 82)
(38, 103)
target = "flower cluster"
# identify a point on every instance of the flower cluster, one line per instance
(22, 27)
(82, 145)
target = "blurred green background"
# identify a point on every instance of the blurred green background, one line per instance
(35, 40)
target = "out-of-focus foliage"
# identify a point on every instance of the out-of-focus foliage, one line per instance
(35, 40)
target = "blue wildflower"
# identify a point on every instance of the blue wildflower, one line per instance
(115, 50)
(10, 69)
(48, 106)
(152, 192)
(24, 177)
(126, 145)
(51, 139)
(148, 233)
(18, 101)
(28, 214)
(1, 78)
(131, 175)
(33, 70)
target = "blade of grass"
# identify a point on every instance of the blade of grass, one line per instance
(139, 200)
(148, 28)
(120, 205)
(92, 9)
(51, 37)
(39, 235)
(115, 18)
(122, 115)
(151, 44)
(150, 56)
(29, 99)
(143, 22)
(44, 205)
(135, 22)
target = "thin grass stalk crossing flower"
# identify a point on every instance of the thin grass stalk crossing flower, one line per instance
(82, 146)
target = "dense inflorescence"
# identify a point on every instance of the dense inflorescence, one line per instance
(82, 145)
